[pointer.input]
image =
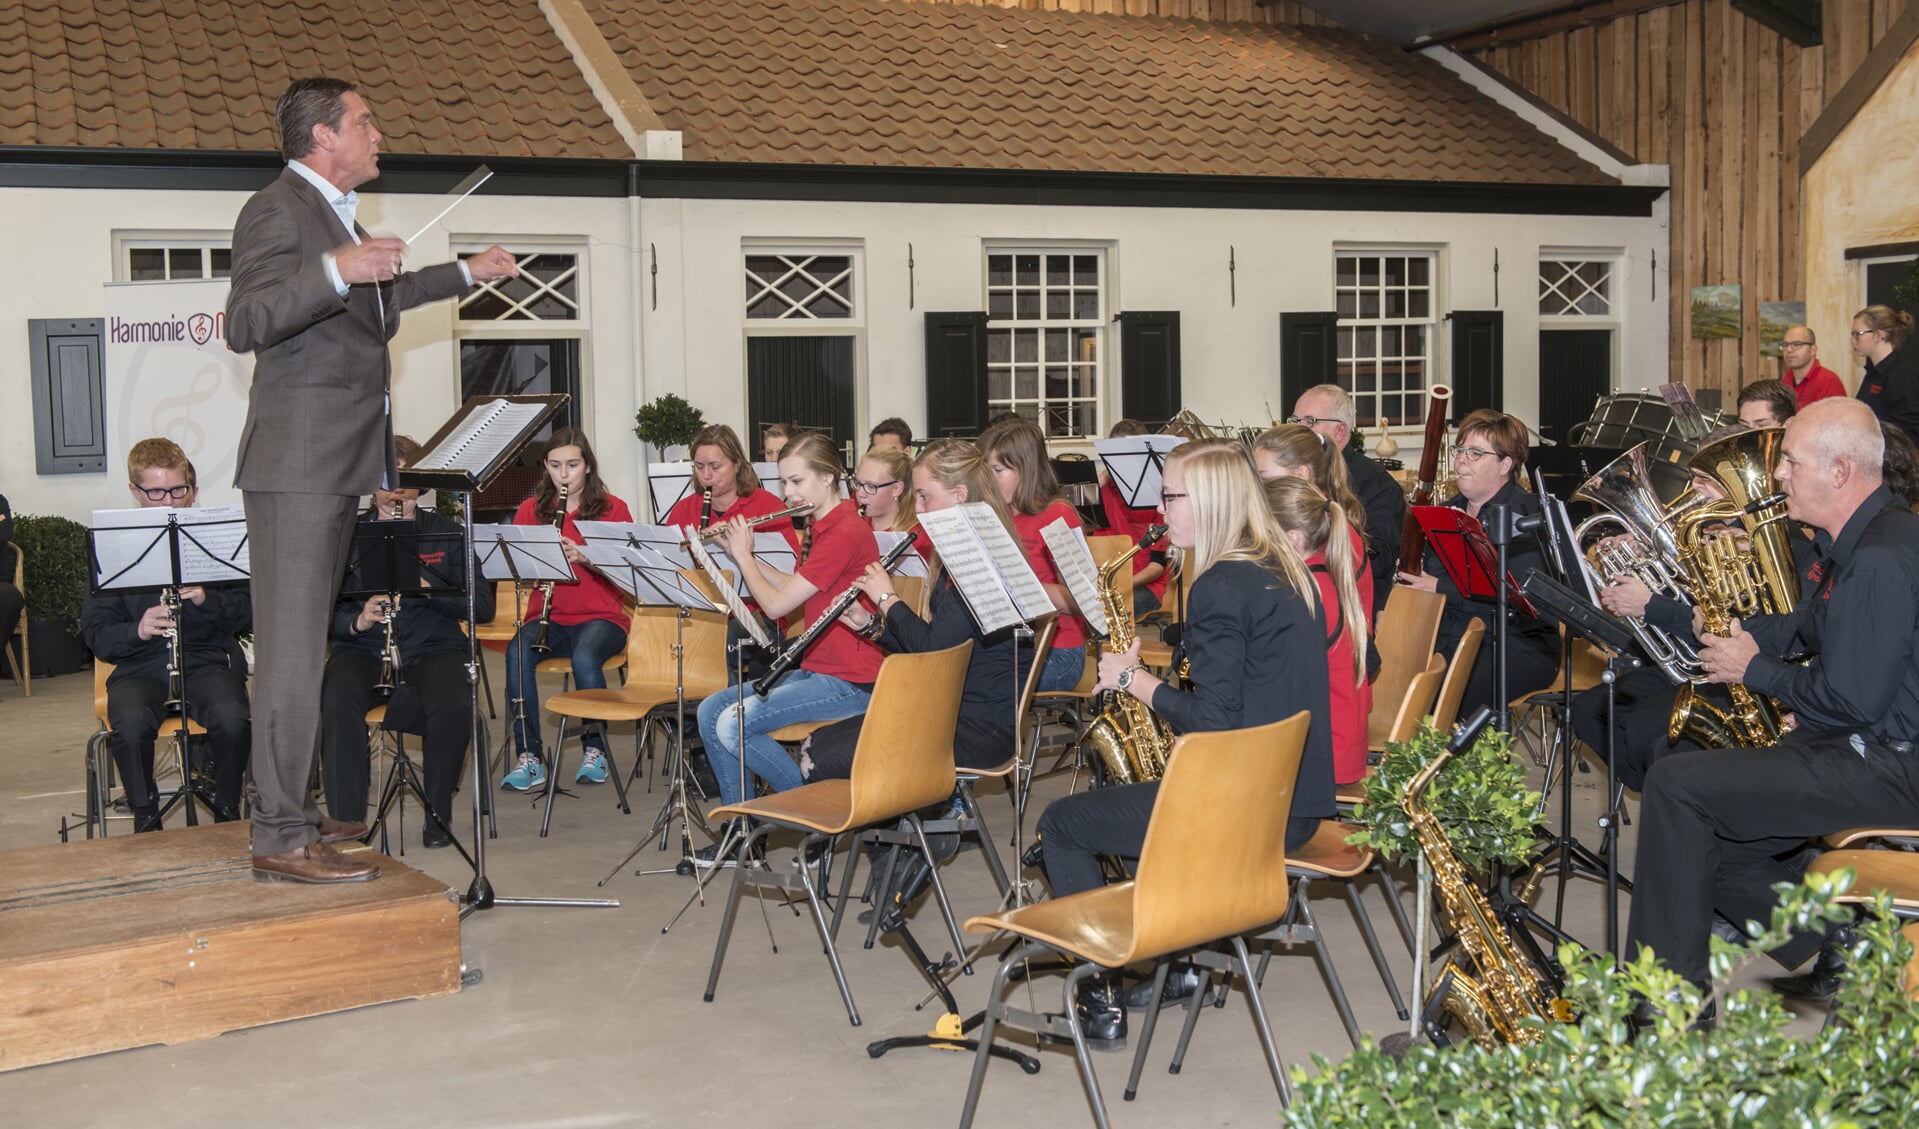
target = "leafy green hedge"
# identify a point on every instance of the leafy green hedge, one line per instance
(56, 575)
(1480, 798)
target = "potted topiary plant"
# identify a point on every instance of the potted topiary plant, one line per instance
(56, 580)
(666, 423)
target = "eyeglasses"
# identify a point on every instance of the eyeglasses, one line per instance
(874, 487)
(1795, 344)
(163, 493)
(1858, 333)
(1469, 454)
(1310, 421)
(1166, 499)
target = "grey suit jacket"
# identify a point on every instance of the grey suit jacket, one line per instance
(316, 420)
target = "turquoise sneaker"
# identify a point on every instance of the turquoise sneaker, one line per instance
(527, 774)
(592, 767)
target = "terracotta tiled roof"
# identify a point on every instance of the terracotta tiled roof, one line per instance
(882, 82)
(453, 77)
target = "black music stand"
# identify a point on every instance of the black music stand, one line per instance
(464, 457)
(385, 559)
(1137, 464)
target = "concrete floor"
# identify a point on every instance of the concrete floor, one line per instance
(592, 1017)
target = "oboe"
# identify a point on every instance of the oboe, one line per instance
(827, 618)
(539, 646)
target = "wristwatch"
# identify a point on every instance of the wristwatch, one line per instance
(879, 601)
(1125, 679)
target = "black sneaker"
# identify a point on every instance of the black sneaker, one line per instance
(1182, 982)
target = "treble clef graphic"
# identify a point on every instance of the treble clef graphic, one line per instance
(173, 416)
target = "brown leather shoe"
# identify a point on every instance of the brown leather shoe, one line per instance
(338, 831)
(316, 863)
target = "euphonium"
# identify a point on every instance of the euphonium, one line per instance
(540, 646)
(1491, 986)
(1130, 740)
(1645, 549)
(1736, 574)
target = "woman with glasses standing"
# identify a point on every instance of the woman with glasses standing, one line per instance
(1490, 452)
(1889, 386)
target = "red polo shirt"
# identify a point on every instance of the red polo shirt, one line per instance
(1820, 383)
(1351, 701)
(594, 597)
(843, 546)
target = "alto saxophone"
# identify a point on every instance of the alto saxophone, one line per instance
(1491, 987)
(1129, 739)
(539, 645)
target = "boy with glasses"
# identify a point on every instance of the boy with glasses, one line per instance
(131, 630)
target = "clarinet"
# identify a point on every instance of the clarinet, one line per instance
(706, 507)
(389, 652)
(539, 646)
(170, 597)
(787, 658)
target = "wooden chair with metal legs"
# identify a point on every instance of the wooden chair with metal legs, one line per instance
(903, 762)
(1212, 869)
(1406, 634)
(100, 767)
(650, 690)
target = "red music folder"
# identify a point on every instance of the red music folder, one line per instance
(1468, 555)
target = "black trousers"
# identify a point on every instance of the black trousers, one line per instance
(445, 727)
(1642, 705)
(1531, 662)
(1077, 829)
(977, 743)
(1718, 827)
(216, 698)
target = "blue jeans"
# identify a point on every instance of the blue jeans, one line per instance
(590, 644)
(800, 696)
(1064, 666)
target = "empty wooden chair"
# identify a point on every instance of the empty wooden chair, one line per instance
(1407, 631)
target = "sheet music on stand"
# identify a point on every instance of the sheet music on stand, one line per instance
(471, 449)
(164, 547)
(771, 549)
(1135, 464)
(666, 484)
(652, 553)
(525, 554)
(987, 566)
(769, 475)
(1074, 559)
(910, 563)
(745, 618)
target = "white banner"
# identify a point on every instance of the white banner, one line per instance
(168, 373)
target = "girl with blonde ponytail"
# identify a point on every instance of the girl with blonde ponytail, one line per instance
(1317, 528)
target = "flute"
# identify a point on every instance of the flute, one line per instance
(714, 532)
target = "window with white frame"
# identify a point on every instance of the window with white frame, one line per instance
(162, 258)
(1575, 288)
(526, 335)
(799, 287)
(546, 289)
(1386, 332)
(1045, 337)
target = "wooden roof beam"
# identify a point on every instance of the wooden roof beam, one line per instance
(1535, 22)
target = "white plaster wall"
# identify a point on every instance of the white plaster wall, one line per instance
(1857, 195)
(1158, 259)
(63, 242)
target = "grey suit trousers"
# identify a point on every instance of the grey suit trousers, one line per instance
(298, 544)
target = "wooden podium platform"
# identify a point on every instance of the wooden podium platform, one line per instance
(166, 938)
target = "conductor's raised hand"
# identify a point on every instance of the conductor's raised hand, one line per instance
(370, 260)
(493, 263)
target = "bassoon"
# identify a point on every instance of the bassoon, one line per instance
(1412, 539)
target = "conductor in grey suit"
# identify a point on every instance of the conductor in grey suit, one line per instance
(315, 298)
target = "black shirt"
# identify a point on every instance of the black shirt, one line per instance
(1866, 595)
(1522, 554)
(1385, 505)
(992, 688)
(110, 625)
(1891, 389)
(426, 625)
(1258, 656)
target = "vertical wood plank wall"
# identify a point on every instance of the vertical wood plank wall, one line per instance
(1696, 85)
(1723, 100)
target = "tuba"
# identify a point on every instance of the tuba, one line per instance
(1187, 425)
(1491, 986)
(1129, 739)
(1748, 571)
(1624, 492)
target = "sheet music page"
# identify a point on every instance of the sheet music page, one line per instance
(533, 550)
(746, 619)
(910, 563)
(131, 548)
(619, 532)
(487, 432)
(1009, 560)
(609, 560)
(665, 575)
(1074, 559)
(966, 560)
(213, 545)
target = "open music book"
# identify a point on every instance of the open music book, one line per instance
(471, 449)
(1074, 559)
(987, 566)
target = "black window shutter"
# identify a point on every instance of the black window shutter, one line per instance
(1308, 355)
(955, 374)
(1479, 369)
(1149, 366)
(69, 420)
